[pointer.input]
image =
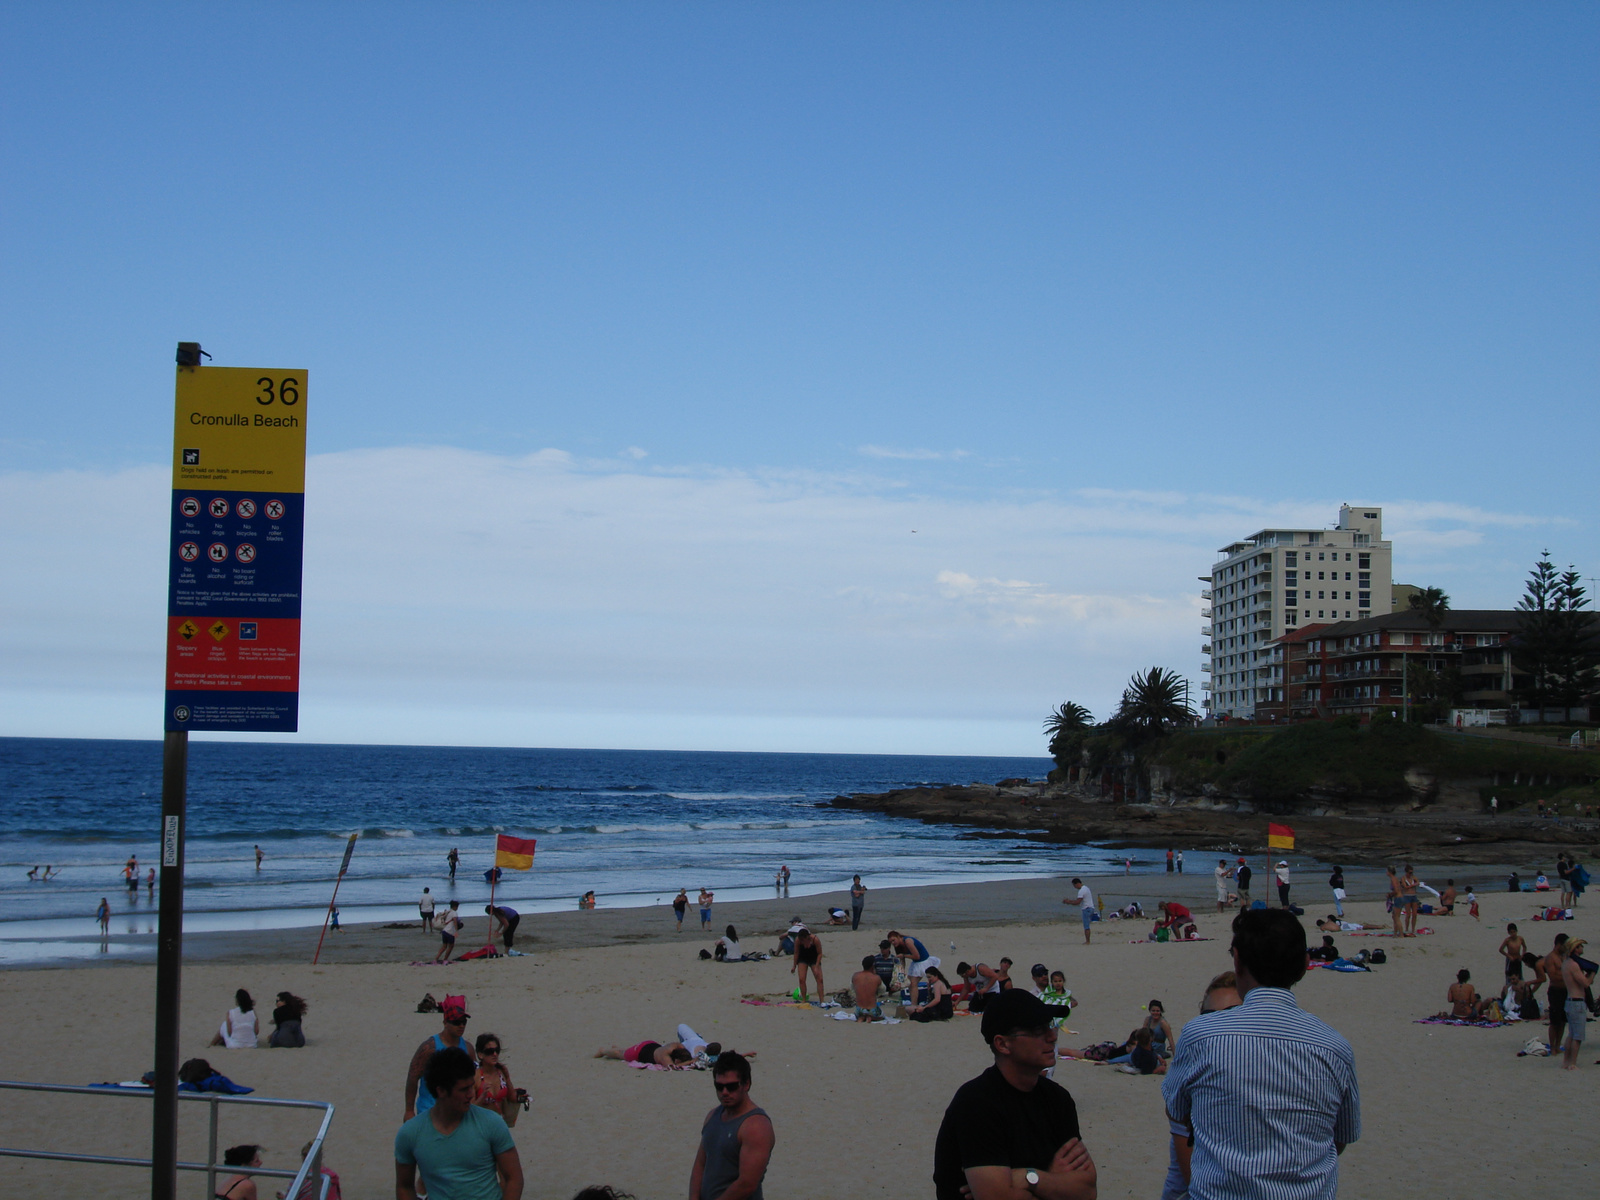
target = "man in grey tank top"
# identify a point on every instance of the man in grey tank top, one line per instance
(735, 1141)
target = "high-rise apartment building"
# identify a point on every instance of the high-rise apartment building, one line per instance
(1276, 580)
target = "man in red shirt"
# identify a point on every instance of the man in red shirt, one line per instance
(1174, 916)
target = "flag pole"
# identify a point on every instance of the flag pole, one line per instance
(349, 848)
(494, 878)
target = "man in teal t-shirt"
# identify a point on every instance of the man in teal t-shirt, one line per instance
(460, 1150)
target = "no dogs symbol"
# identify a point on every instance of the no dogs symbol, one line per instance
(219, 508)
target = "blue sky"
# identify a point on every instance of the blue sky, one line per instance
(681, 318)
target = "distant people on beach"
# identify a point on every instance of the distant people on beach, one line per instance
(259, 857)
(1180, 862)
(506, 920)
(661, 1054)
(239, 1186)
(1223, 876)
(49, 872)
(1268, 1090)
(680, 906)
(494, 874)
(858, 899)
(241, 1028)
(1169, 862)
(1084, 899)
(1282, 874)
(1576, 979)
(150, 882)
(103, 915)
(33, 875)
(453, 859)
(460, 1150)
(1513, 948)
(781, 879)
(867, 986)
(130, 874)
(1012, 1131)
(736, 1138)
(333, 921)
(808, 956)
(452, 1037)
(287, 1015)
(1177, 920)
(1336, 882)
(836, 916)
(449, 928)
(1241, 882)
(425, 910)
(705, 908)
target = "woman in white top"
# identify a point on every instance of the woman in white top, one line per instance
(728, 948)
(241, 1026)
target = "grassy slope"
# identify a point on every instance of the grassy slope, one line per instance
(1369, 759)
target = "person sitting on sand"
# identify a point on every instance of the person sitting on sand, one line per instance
(883, 962)
(867, 985)
(240, 1186)
(286, 1018)
(1039, 979)
(1058, 999)
(1463, 997)
(980, 984)
(1447, 899)
(940, 1006)
(668, 1054)
(1161, 1038)
(837, 916)
(241, 1027)
(1142, 1058)
(1326, 952)
(727, 948)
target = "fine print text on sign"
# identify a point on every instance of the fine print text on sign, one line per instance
(234, 560)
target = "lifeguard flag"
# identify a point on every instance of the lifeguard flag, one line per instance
(516, 853)
(1279, 837)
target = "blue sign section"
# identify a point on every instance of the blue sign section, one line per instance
(235, 554)
(233, 712)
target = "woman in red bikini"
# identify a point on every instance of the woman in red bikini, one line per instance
(492, 1089)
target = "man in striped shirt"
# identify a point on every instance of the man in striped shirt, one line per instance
(1269, 1090)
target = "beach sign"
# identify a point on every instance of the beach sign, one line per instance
(513, 852)
(234, 550)
(1279, 837)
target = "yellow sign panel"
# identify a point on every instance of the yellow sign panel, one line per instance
(218, 631)
(188, 629)
(240, 429)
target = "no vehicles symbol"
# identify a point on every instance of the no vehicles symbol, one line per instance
(188, 552)
(245, 553)
(189, 506)
(245, 508)
(219, 508)
(275, 510)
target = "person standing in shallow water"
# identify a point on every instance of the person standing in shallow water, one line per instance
(454, 859)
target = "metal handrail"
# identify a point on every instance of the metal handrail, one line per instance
(310, 1167)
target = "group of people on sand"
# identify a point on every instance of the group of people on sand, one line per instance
(241, 1028)
(1567, 976)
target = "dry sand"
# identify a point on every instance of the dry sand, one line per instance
(1448, 1112)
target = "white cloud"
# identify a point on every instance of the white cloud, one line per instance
(635, 453)
(915, 454)
(459, 596)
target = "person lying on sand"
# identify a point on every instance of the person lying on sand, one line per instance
(1333, 924)
(670, 1054)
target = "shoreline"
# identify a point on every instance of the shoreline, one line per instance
(986, 904)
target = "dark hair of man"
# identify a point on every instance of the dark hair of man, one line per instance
(600, 1191)
(1530, 959)
(1561, 939)
(1272, 946)
(732, 1061)
(447, 1068)
(866, 962)
(239, 1156)
(963, 968)
(1463, 975)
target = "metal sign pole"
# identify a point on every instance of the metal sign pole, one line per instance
(169, 958)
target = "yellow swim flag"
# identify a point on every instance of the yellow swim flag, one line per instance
(1279, 837)
(516, 853)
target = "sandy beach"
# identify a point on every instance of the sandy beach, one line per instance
(855, 1107)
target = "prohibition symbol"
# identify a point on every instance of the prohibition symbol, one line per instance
(217, 552)
(188, 552)
(218, 631)
(275, 510)
(245, 552)
(219, 508)
(189, 507)
(245, 508)
(188, 629)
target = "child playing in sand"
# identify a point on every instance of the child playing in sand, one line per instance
(1472, 904)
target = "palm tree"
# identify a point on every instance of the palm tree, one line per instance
(1067, 719)
(1431, 604)
(1151, 702)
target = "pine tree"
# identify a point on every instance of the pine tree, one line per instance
(1557, 643)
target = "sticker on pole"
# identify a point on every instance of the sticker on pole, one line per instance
(169, 841)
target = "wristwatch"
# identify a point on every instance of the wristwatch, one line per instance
(1033, 1179)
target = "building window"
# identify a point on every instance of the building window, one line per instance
(1290, 557)
(1319, 614)
(1288, 617)
(1364, 561)
(1365, 599)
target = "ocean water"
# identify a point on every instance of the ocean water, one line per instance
(634, 826)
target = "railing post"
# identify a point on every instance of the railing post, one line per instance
(169, 960)
(211, 1151)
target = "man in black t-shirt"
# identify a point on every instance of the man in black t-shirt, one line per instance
(1011, 1132)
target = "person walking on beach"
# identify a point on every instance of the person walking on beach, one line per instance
(103, 915)
(858, 898)
(1180, 862)
(1283, 882)
(425, 910)
(454, 859)
(1085, 902)
(1223, 875)
(705, 908)
(1336, 882)
(736, 1138)
(462, 1150)
(680, 905)
(259, 857)
(1241, 881)
(1013, 1131)
(1268, 1090)
(507, 919)
(449, 928)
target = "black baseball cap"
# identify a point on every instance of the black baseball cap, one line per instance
(1013, 1010)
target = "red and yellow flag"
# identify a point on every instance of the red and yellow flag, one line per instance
(516, 853)
(1279, 837)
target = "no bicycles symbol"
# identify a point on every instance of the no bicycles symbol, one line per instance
(245, 508)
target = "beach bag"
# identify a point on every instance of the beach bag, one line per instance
(195, 1070)
(1163, 934)
(1102, 1051)
(1297, 910)
(1254, 904)
(1378, 956)
(1338, 893)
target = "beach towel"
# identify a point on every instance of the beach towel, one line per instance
(481, 952)
(1459, 1021)
(1341, 964)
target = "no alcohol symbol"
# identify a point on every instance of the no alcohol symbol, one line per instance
(217, 552)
